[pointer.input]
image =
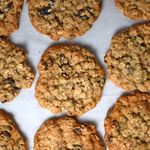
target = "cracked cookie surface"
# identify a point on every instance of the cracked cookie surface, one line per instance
(127, 125)
(67, 134)
(128, 58)
(15, 74)
(10, 137)
(63, 18)
(70, 79)
(9, 16)
(134, 9)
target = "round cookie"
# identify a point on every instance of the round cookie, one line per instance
(128, 58)
(10, 137)
(70, 79)
(67, 134)
(9, 16)
(127, 125)
(134, 9)
(59, 18)
(15, 74)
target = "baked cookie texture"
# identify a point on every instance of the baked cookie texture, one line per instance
(70, 79)
(10, 137)
(134, 9)
(67, 134)
(127, 125)
(10, 11)
(128, 58)
(63, 18)
(15, 74)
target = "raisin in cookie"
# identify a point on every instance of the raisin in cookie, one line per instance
(67, 134)
(70, 79)
(10, 137)
(63, 18)
(14, 71)
(9, 16)
(134, 9)
(128, 59)
(127, 124)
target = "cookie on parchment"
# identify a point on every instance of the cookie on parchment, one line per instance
(127, 125)
(15, 74)
(134, 9)
(70, 79)
(128, 58)
(9, 16)
(63, 18)
(67, 134)
(10, 137)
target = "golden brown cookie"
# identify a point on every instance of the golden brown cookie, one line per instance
(128, 58)
(9, 16)
(67, 134)
(15, 74)
(10, 137)
(70, 79)
(134, 9)
(127, 125)
(63, 18)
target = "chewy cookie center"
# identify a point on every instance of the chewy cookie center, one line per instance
(72, 79)
(73, 82)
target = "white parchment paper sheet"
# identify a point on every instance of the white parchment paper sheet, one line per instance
(27, 113)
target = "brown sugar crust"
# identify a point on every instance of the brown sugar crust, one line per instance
(10, 138)
(134, 9)
(67, 134)
(10, 11)
(15, 74)
(127, 125)
(128, 58)
(70, 79)
(59, 18)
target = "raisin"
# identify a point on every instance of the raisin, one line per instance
(5, 134)
(110, 139)
(82, 15)
(9, 6)
(65, 75)
(116, 123)
(143, 45)
(1, 14)
(47, 64)
(9, 81)
(77, 147)
(45, 11)
(78, 130)
(16, 89)
(12, 83)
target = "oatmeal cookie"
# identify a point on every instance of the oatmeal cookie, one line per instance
(63, 18)
(70, 79)
(9, 16)
(10, 137)
(67, 134)
(14, 71)
(134, 9)
(128, 59)
(127, 125)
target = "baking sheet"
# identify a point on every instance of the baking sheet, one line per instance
(27, 113)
